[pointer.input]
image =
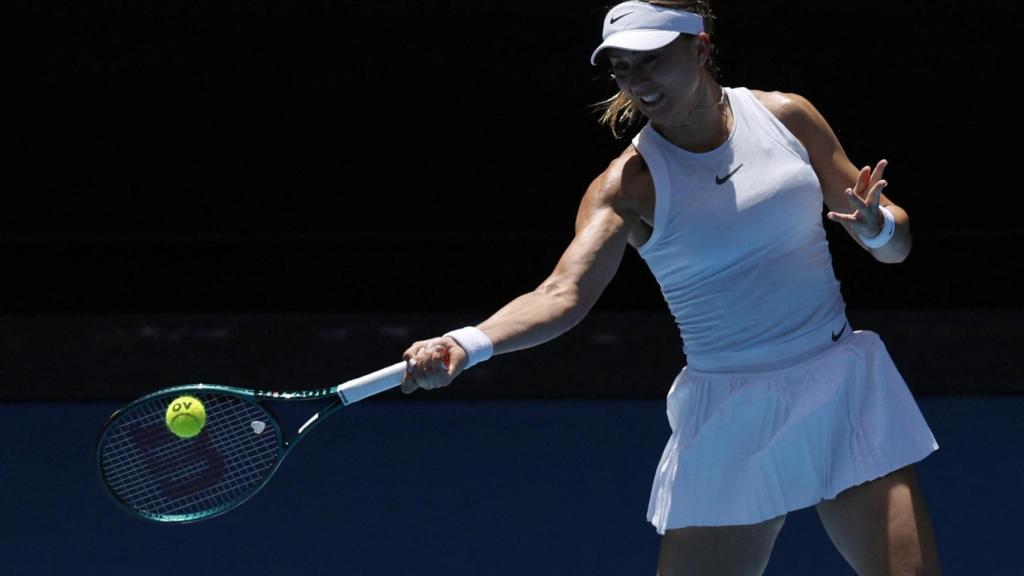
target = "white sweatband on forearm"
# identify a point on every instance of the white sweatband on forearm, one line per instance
(888, 230)
(476, 344)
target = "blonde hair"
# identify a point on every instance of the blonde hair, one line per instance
(618, 112)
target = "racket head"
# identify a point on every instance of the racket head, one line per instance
(155, 475)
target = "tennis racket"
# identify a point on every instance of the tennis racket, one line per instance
(156, 475)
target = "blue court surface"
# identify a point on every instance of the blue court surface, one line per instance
(492, 487)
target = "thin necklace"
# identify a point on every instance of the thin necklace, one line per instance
(712, 107)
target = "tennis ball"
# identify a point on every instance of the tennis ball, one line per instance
(185, 416)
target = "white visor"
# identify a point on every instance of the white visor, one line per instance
(641, 26)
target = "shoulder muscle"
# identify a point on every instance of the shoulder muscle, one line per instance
(834, 169)
(625, 188)
(802, 119)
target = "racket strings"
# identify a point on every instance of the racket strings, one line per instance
(165, 477)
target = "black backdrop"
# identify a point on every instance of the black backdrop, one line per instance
(248, 156)
(282, 194)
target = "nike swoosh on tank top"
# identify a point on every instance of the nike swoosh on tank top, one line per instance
(744, 266)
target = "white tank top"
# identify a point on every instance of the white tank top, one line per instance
(738, 246)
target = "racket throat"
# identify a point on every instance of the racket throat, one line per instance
(312, 419)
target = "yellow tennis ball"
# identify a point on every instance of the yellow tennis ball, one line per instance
(185, 416)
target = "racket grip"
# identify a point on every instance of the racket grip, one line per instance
(373, 383)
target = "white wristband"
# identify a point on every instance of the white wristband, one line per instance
(476, 344)
(888, 230)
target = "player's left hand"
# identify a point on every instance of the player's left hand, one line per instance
(866, 219)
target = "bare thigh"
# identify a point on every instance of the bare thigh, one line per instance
(882, 527)
(719, 550)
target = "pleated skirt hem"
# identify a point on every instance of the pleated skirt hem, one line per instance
(748, 447)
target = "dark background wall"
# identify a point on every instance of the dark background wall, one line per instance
(284, 194)
(427, 158)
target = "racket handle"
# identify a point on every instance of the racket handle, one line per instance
(373, 383)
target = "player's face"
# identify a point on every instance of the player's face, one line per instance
(661, 83)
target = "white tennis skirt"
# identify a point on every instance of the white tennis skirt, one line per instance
(750, 446)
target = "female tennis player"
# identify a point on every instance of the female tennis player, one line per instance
(781, 405)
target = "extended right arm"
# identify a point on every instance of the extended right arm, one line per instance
(581, 275)
(605, 219)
